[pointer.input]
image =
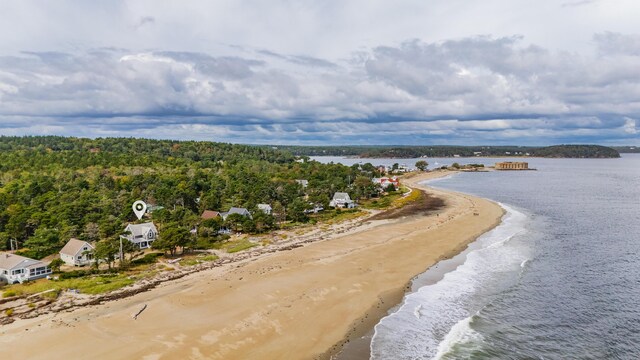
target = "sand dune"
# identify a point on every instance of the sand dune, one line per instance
(299, 304)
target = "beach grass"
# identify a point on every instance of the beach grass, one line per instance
(239, 245)
(195, 260)
(87, 285)
(331, 217)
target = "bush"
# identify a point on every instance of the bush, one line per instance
(150, 258)
(55, 264)
(9, 293)
(74, 274)
(8, 312)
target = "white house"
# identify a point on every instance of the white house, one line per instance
(77, 253)
(384, 182)
(303, 182)
(265, 208)
(141, 234)
(18, 269)
(235, 210)
(341, 199)
(315, 208)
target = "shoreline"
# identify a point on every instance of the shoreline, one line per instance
(356, 345)
(329, 291)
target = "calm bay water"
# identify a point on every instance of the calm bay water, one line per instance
(559, 279)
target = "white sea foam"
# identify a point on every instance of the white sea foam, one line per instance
(460, 333)
(432, 320)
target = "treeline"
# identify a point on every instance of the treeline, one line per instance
(627, 149)
(44, 152)
(54, 188)
(571, 151)
(576, 151)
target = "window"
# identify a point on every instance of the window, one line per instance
(150, 236)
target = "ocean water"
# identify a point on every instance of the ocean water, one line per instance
(558, 279)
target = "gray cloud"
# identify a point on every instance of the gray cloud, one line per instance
(492, 90)
(145, 20)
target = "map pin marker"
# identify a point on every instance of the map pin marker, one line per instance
(139, 208)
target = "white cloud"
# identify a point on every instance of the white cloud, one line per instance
(262, 72)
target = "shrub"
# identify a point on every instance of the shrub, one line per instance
(8, 312)
(73, 274)
(150, 258)
(55, 264)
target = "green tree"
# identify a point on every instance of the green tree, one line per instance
(44, 242)
(263, 222)
(296, 210)
(172, 237)
(107, 250)
(55, 264)
(422, 165)
(234, 221)
(364, 186)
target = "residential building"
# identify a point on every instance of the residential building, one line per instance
(235, 210)
(304, 183)
(18, 269)
(315, 208)
(152, 208)
(342, 199)
(142, 235)
(265, 208)
(384, 182)
(210, 214)
(77, 253)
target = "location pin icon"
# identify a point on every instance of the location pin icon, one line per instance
(139, 208)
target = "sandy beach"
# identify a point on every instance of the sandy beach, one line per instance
(298, 304)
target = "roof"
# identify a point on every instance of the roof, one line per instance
(303, 182)
(235, 210)
(141, 229)
(74, 246)
(10, 261)
(209, 214)
(264, 206)
(341, 196)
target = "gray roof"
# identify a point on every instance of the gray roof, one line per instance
(341, 196)
(264, 206)
(74, 246)
(241, 211)
(141, 229)
(235, 210)
(11, 261)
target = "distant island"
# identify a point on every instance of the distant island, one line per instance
(556, 151)
(627, 149)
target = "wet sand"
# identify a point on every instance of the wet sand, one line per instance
(298, 304)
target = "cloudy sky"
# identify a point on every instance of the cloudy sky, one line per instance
(324, 72)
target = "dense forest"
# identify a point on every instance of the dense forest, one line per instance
(54, 188)
(568, 151)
